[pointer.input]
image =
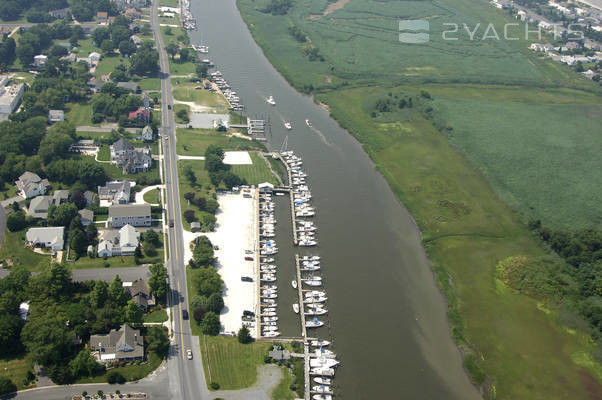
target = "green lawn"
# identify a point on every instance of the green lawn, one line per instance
(202, 187)
(156, 316)
(104, 153)
(202, 97)
(181, 68)
(283, 390)
(79, 114)
(129, 372)
(86, 262)
(108, 63)
(85, 47)
(229, 363)
(14, 249)
(16, 369)
(150, 84)
(256, 173)
(152, 196)
(194, 142)
(178, 107)
(168, 3)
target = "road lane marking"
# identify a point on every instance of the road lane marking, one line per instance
(181, 326)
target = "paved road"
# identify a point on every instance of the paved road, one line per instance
(186, 377)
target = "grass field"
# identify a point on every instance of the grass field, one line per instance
(256, 173)
(16, 369)
(202, 97)
(85, 47)
(152, 196)
(229, 363)
(283, 390)
(194, 142)
(108, 63)
(150, 84)
(156, 316)
(14, 249)
(202, 187)
(169, 3)
(79, 114)
(178, 107)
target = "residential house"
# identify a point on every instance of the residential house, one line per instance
(116, 192)
(125, 344)
(118, 242)
(61, 13)
(56, 115)
(140, 293)
(30, 185)
(132, 14)
(102, 17)
(141, 116)
(147, 134)
(278, 354)
(89, 196)
(86, 216)
(51, 237)
(195, 226)
(131, 159)
(136, 40)
(133, 214)
(38, 207)
(591, 45)
(10, 96)
(146, 101)
(94, 57)
(60, 196)
(39, 60)
(71, 57)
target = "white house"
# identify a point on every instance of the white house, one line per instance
(31, 185)
(94, 57)
(147, 133)
(10, 96)
(122, 242)
(133, 214)
(40, 60)
(47, 237)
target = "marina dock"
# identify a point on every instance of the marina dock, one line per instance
(293, 219)
(257, 259)
(300, 290)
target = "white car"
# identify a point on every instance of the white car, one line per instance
(189, 354)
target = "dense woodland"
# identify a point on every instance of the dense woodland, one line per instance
(63, 315)
(37, 10)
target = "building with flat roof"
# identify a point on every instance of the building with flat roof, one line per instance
(10, 96)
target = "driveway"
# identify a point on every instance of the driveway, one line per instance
(8, 202)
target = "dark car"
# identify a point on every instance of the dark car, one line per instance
(169, 106)
(246, 279)
(171, 223)
(248, 258)
(247, 313)
(185, 314)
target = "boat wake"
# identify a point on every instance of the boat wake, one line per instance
(323, 138)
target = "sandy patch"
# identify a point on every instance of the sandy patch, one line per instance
(237, 158)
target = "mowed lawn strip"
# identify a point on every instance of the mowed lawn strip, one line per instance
(231, 364)
(256, 173)
(16, 369)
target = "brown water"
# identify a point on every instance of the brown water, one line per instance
(386, 314)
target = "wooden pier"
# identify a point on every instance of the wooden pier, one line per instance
(291, 196)
(300, 290)
(257, 265)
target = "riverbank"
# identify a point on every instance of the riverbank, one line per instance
(467, 230)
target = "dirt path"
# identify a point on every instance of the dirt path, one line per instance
(332, 7)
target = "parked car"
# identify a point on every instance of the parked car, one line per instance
(247, 258)
(215, 247)
(246, 279)
(248, 313)
(248, 251)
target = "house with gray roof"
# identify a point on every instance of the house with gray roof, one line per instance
(140, 293)
(117, 192)
(125, 344)
(131, 86)
(133, 214)
(31, 185)
(60, 196)
(131, 159)
(48, 237)
(86, 216)
(38, 207)
(118, 242)
(56, 115)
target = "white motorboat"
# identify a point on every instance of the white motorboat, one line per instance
(270, 100)
(294, 283)
(321, 397)
(269, 301)
(319, 343)
(269, 328)
(322, 352)
(288, 125)
(270, 287)
(270, 319)
(310, 258)
(311, 268)
(269, 323)
(271, 334)
(267, 260)
(268, 291)
(312, 278)
(269, 296)
(268, 269)
(322, 381)
(316, 311)
(308, 243)
(314, 293)
(323, 362)
(269, 313)
(268, 309)
(268, 278)
(296, 308)
(322, 371)
(308, 123)
(314, 323)
(321, 389)
(316, 299)
(313, 282)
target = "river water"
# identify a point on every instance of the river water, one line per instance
(386, 314)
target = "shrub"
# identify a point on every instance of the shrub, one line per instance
(114, 377)
(214, 386)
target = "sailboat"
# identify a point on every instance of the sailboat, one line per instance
(270, 100)
(288, 125)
